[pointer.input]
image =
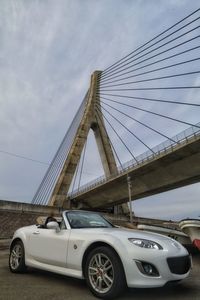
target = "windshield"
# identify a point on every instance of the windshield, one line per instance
(81, 219)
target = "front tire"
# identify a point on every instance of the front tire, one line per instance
(17, 258)
(104, 273)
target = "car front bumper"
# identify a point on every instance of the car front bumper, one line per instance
(170, 266)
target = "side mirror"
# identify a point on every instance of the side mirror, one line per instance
(53, 225)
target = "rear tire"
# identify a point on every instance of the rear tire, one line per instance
(104, 273)
(17, 258)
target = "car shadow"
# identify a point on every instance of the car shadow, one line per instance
(170, 291)
(55, 277)
(184, 290)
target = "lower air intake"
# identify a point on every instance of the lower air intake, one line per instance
(179, 265)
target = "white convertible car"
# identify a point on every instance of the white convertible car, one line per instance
(85, 245)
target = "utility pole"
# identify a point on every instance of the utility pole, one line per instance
(129, 196)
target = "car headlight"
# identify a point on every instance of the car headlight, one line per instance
(145, 244)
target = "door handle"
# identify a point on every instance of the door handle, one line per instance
(36, 232)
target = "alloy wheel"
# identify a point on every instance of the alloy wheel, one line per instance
(16, 256)
(101, 273)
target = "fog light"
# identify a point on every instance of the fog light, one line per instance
(147, 268)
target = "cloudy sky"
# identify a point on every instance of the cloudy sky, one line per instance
(48, 51)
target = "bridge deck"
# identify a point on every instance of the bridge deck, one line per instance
(171, 168)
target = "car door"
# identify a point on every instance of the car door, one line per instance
(48, 246)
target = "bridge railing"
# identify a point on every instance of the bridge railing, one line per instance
(165, 147)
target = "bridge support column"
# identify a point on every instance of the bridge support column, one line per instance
(92, 119)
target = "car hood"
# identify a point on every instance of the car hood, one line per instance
(123, 235)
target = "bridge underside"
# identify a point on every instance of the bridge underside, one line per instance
(176, 169)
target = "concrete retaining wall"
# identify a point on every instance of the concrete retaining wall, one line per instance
(14, 215)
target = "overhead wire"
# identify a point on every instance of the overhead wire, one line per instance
(59, 158)
(150, 64)
(154, 88)
(154, 78)
(76, 174)
(154, 113)
(151, 71)
(145, 125)
(24, 157)
(127, 148)
(128, 129)
(153, 56)
(112, 146)
(124, 63)
(45, 188)
(38, 198)
(148, 99)
(148, 42)
(50, 176)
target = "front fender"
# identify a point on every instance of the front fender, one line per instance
(23, 234)
(79, 247)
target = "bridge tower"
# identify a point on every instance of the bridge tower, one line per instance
(89, 120)
(160, 168)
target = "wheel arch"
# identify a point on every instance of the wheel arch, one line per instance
(95, 245)
(19, 265)
(14, 241)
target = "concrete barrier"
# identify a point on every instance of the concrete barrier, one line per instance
(14, 215)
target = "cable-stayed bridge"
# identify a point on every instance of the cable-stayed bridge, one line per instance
(171, 166)
(135, 107)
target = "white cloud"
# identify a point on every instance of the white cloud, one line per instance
(175, 205)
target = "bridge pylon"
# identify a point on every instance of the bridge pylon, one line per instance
(91, 119)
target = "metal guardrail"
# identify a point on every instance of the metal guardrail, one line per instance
(163, 148)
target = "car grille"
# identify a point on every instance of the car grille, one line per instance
(179, 265)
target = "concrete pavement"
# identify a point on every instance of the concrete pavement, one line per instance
(43, 285)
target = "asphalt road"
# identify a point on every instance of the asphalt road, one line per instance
(43, 285)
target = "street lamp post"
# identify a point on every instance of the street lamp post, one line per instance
(129, 196)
